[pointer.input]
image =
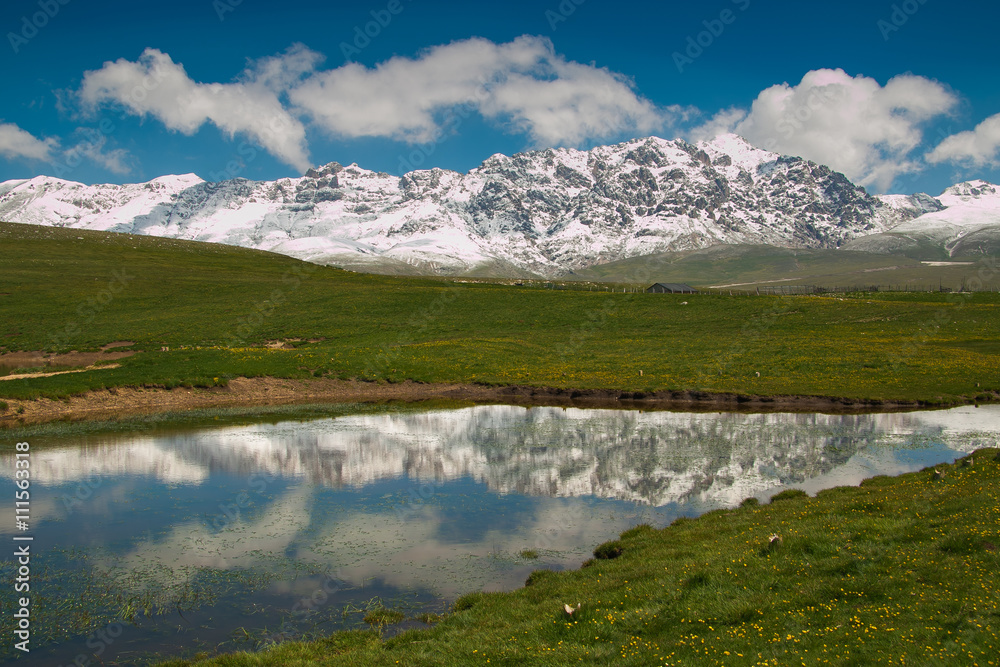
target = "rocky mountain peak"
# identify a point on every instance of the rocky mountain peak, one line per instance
(329, 169)
(970, 190)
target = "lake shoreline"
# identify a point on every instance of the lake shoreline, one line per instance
(270, 391)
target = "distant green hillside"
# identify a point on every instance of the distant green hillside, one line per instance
(200, 313)
(912, 263)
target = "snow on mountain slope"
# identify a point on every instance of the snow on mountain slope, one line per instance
(53, 201)
(969, 204)
(977, 194)
(912, 205)
(963, 221)
(970, 221)
(545, 212)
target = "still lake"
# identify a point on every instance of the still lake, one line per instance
(225, 538)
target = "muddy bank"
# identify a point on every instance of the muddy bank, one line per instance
(252, 392)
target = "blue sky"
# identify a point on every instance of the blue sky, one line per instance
(901, 96)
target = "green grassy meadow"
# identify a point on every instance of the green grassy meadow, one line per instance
(896, 571)
(200, 313)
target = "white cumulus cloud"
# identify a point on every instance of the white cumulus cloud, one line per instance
(979, 147)
(155, 85)
(579, 103)
(522, 85)
(94, 146)
(853, 124)
(18, 143)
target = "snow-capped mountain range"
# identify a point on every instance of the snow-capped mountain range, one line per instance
(543, 212)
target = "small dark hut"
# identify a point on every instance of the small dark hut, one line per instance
(671, 288)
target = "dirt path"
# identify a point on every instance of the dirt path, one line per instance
(251, 392)
(20, 376)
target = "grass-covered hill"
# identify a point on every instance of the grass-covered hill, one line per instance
(198, 314)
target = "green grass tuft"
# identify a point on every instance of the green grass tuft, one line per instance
(789, 494)
(609, 550)
(381, 617)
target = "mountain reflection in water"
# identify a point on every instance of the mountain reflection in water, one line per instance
(652, 458)
(239, 524)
